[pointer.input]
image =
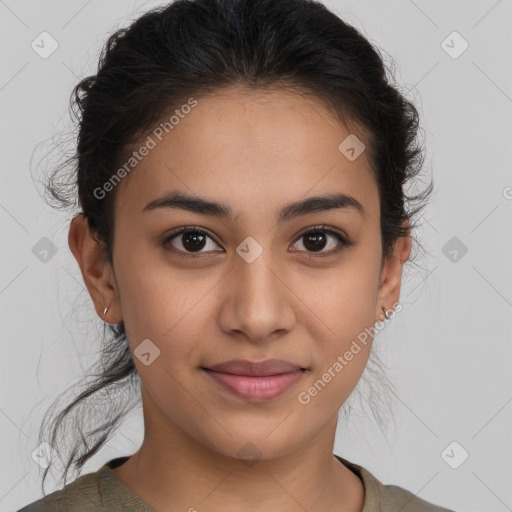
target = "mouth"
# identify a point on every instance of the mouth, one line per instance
(255, 381)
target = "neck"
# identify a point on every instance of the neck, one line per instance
(173, 468)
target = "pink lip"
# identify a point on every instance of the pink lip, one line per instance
(256, 388)
(256, 368)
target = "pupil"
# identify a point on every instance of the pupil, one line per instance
(315, 236)
(192, 237)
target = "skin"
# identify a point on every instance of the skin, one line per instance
(270, 150)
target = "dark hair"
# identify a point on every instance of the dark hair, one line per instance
(190, 48)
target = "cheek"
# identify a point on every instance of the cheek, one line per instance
(162, 304)
(158, 310)
(341, 327)
(344, 299)
(342, 350)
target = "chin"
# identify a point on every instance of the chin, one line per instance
(252, 445)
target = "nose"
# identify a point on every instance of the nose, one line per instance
(259, 304)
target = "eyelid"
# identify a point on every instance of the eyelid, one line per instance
(326, 228)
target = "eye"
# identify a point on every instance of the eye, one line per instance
(190, 240)
(316, 240)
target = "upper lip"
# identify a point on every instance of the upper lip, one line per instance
(261, 369)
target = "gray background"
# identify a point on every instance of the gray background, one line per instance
(448, 351)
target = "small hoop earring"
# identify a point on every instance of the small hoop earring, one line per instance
(105, 311)
(385, 313)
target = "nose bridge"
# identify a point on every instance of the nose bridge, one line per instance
(259, 303)
(257, 279)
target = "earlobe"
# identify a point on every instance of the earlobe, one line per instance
(96, 272)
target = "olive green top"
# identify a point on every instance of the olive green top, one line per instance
(102, 491)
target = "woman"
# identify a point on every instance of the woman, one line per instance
(240, 169)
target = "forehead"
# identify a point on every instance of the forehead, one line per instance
(251, 150)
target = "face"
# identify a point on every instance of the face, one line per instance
(266, 280)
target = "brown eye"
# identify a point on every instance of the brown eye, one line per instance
(193, 240)
(318, 239)
(189, 240)
(315, 241)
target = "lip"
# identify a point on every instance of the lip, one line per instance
(256, 368)
(255, 381)
(255, 388)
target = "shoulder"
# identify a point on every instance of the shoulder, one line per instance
(389, 498)
(83, 494)
(100, 491)
(397, 498)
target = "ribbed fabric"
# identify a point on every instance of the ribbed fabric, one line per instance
(102, 491)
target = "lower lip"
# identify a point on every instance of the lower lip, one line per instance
(256, 388)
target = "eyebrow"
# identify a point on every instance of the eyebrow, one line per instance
(289, 211)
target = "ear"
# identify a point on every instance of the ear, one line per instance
(97, 272)
(391, 276)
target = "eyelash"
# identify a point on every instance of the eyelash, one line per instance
(343, 242)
